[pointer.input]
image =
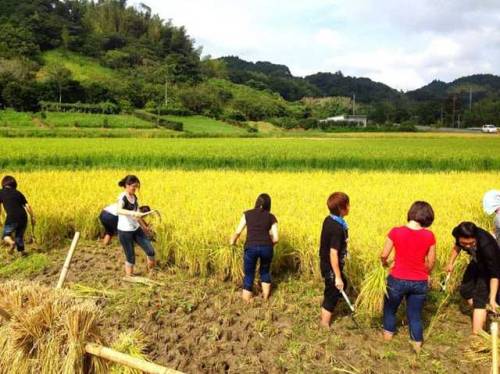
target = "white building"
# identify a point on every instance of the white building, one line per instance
(360, 120)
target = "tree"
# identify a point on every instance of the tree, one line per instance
(59, 75)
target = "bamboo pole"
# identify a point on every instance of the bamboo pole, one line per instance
(494, 347)
(124, 359)
(65, 268)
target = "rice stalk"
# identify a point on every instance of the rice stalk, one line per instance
(133, 343)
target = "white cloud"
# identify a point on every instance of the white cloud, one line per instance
(403, 43)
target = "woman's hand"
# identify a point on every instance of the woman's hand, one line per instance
(384, 262)
(339, 283)
(449, 268)
(493, 305)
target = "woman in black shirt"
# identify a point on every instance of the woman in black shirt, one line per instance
(480, 281)
(333, 253)
(262, 235)
(15, 205)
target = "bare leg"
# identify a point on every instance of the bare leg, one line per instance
(151, 265)
(388, 336)
(106, 240)
(266, 290)
(247, 296)
(478, 320)
(417, 346)
(326, 318)
(129, 270)
(10, 242)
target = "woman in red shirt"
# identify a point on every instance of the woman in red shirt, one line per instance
(415, 248)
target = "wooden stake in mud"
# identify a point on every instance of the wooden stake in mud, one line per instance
(494, 347)
(132, 362)
(65, 268)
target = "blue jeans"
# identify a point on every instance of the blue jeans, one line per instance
(127, 240)
(18, 229)
(415, 293)
(252, 254)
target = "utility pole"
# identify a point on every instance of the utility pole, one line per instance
(166, 88)
(470, 99)
(453, 112)
(353, 104)
(442, 115)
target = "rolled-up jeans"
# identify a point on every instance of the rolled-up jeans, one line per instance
(129, 238)
(252, 254)
(415, 293)
(17, 230)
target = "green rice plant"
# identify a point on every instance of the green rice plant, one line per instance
(25, 266)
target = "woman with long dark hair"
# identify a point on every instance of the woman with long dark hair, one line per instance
(262, 235)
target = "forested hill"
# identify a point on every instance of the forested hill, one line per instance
(109, 51)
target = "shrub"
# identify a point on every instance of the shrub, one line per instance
(101, 108)
(171, 125)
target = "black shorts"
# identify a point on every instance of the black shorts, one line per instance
(475, 286)
(110, 223)
(331, 294)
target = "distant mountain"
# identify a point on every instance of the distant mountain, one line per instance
(265, 75)
(278, 78)
(365, 89)
(480, 85)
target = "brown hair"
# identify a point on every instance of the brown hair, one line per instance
(421, 212)
(336, 202)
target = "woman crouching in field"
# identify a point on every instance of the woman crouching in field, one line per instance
(333, 253)
(262, 235)
(409, 278)
(129, 225)
(16, 206)
(480, 281)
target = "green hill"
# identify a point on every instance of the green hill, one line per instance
(83, 68)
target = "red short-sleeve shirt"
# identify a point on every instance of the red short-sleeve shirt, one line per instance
(411, 246)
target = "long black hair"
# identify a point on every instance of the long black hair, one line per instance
(128, 180)
(263, 202)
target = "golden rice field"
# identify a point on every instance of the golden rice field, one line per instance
(201, 208)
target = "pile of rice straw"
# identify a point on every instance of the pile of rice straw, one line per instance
(43, 330)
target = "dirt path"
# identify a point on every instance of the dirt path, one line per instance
(201, 326)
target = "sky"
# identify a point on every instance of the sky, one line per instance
(404, 44)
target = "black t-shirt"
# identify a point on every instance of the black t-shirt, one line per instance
(486, 254)
(333, 235)
(259, 224)
(14, 202)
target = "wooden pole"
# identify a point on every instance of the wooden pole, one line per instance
(494, 347)
(124, 359)
(65, 268)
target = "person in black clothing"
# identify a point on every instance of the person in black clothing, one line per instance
(480, 281)
(262, 235)
(16, 205)
(333, 253)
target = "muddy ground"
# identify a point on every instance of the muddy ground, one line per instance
(199, 325)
